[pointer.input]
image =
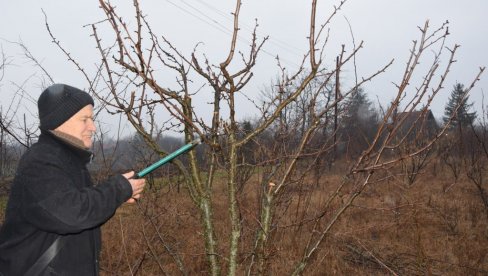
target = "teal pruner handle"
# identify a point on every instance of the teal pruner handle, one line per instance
(168, 158)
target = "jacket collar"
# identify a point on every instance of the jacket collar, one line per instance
(71, 143)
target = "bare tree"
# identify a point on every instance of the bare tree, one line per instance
(476, 159)
(14, 133)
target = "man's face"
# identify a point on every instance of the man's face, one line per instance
(80, 126)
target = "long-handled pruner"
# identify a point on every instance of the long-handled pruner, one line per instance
(168, 158)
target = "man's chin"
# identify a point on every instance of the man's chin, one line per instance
(88, 143)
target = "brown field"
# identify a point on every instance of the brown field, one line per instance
(435, 226)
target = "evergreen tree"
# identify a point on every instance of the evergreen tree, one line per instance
(358, 110)
(462, 117)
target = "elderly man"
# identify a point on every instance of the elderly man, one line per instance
(54, 212)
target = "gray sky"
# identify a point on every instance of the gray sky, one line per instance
(387, 28)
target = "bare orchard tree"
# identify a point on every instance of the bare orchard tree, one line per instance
(15, 134)
(373, 165)
(476, 159)
(18, 131)
(133, 81)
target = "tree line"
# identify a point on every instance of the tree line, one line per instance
(351, 129)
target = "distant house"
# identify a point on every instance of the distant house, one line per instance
(416, 124)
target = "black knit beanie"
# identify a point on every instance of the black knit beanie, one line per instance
(58, 103)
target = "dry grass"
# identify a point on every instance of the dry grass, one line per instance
(4, 190)
(436, 226)
(433, 227)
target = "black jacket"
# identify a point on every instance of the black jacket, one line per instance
(52, 195)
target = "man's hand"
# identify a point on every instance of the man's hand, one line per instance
(137, 186)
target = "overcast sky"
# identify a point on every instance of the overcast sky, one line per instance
(387, 28)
